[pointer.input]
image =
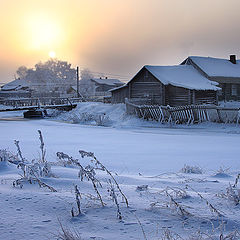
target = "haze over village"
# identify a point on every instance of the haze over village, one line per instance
(119, 119)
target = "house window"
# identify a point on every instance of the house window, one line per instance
(234, 90)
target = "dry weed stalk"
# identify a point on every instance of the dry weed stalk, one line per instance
(32, 171)
(77, 196)
(30, 176)
(86, 172)
(113, 195)
(43, 151)
(211, 207)
(178, 206)
(6, 156)
(19, 151)
(67, 234)
(236, 180)
(100, 166)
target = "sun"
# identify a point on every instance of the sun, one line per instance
(52, 54)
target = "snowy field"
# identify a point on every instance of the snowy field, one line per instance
(173, 203)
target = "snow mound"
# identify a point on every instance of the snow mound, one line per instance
(102, 114)
(222, 175)
(7, 167)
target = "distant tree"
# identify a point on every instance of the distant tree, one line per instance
(51, 75)
(22, 72)
(86, 86)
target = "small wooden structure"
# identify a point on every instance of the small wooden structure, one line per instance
(167, 85)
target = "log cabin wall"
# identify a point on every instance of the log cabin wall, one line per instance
(119, 95)
(177, 96)
(230, 91)
(145, 86)
(205, 97)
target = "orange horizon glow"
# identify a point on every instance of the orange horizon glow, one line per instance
(115, 36)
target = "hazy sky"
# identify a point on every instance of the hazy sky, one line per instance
(115, 36)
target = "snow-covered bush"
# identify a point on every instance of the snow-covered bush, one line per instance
(191, 169)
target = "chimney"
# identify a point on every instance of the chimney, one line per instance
(233, 59)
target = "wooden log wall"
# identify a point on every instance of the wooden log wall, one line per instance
(177, 96)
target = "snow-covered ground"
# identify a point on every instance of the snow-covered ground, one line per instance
(141, 153)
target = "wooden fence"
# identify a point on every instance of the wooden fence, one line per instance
(184, 114)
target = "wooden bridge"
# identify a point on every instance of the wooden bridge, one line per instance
(64, 104)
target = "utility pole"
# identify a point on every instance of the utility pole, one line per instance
(78, 95)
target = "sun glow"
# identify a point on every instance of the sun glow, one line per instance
(52, 54)
(43, 32)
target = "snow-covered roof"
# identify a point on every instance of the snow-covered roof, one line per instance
(185, 76)
(15, 85)
(217, 67)
(116, 88)
(107, 81)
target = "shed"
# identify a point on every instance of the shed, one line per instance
(168, 85)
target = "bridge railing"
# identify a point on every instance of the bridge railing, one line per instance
(38, 102)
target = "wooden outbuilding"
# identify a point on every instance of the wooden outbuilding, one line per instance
(224, 71)
(168, 85)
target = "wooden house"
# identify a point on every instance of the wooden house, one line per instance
(167, 85)
(103, 85)
(224, 71)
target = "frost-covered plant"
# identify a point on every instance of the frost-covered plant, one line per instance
(89, 173)
(211, 207)
(43, 150)
(191, 169)
(142, 188)
(233, 194)
(32, 171)
(169, 235)
(113, 195)
(236, 180)
(82, 117)
(179, 208)
(8, 156)
(67, 234)
(173, 194)
(19, 151)
(176, 193)
(100, 166)
(102, 119)
(78, 197)
(30, 175)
